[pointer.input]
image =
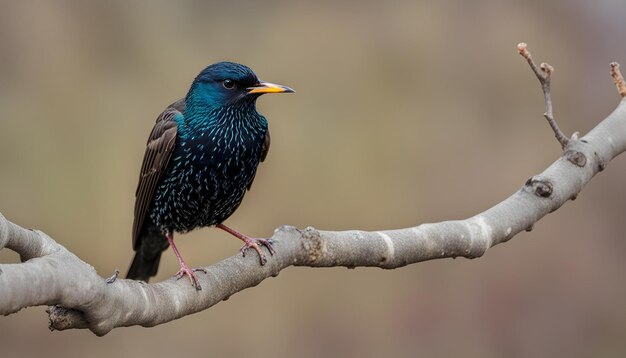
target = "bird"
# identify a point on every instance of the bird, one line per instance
(201, 158)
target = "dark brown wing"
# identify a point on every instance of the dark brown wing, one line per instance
(158, 153)
(264, 149)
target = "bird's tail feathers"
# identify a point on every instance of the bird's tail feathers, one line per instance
(142, 268)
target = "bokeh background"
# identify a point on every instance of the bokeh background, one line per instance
(406, 112)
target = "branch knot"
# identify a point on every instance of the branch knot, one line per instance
(575, 157)
(312, 243)
(543, 188)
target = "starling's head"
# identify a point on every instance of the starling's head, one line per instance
(229, 83)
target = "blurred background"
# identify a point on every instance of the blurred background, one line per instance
(406, 112)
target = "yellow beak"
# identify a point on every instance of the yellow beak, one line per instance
(266, 87)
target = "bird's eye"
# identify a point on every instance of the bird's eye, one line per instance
(228, 84)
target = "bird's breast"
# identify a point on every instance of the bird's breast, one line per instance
(227, 156)
(209, 177)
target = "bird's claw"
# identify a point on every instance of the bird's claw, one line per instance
(185, 270)
(254, 243)
(112, 279)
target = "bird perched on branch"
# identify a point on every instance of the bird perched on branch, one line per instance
(201, 158)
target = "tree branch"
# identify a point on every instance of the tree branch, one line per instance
(80, 298)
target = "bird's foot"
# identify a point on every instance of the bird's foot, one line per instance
(185, 270)
(250, 243)
(254, 243)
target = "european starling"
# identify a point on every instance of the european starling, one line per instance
(200, 160)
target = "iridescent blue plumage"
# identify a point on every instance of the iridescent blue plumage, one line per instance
(201, 157)
(216, 156)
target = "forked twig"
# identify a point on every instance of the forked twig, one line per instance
(544, 73)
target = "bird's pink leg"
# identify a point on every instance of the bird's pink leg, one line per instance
(184, 269)
(250, 243)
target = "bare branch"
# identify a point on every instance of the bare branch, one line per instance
(80, 298)
(544, 74)
(616, 74)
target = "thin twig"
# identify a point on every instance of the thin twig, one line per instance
(544, 73)
(618, 79)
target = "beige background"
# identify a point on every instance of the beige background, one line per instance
(406, 112)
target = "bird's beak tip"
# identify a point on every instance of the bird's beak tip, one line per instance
(266, 87)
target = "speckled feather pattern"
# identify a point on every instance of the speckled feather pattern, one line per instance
(216, 155)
